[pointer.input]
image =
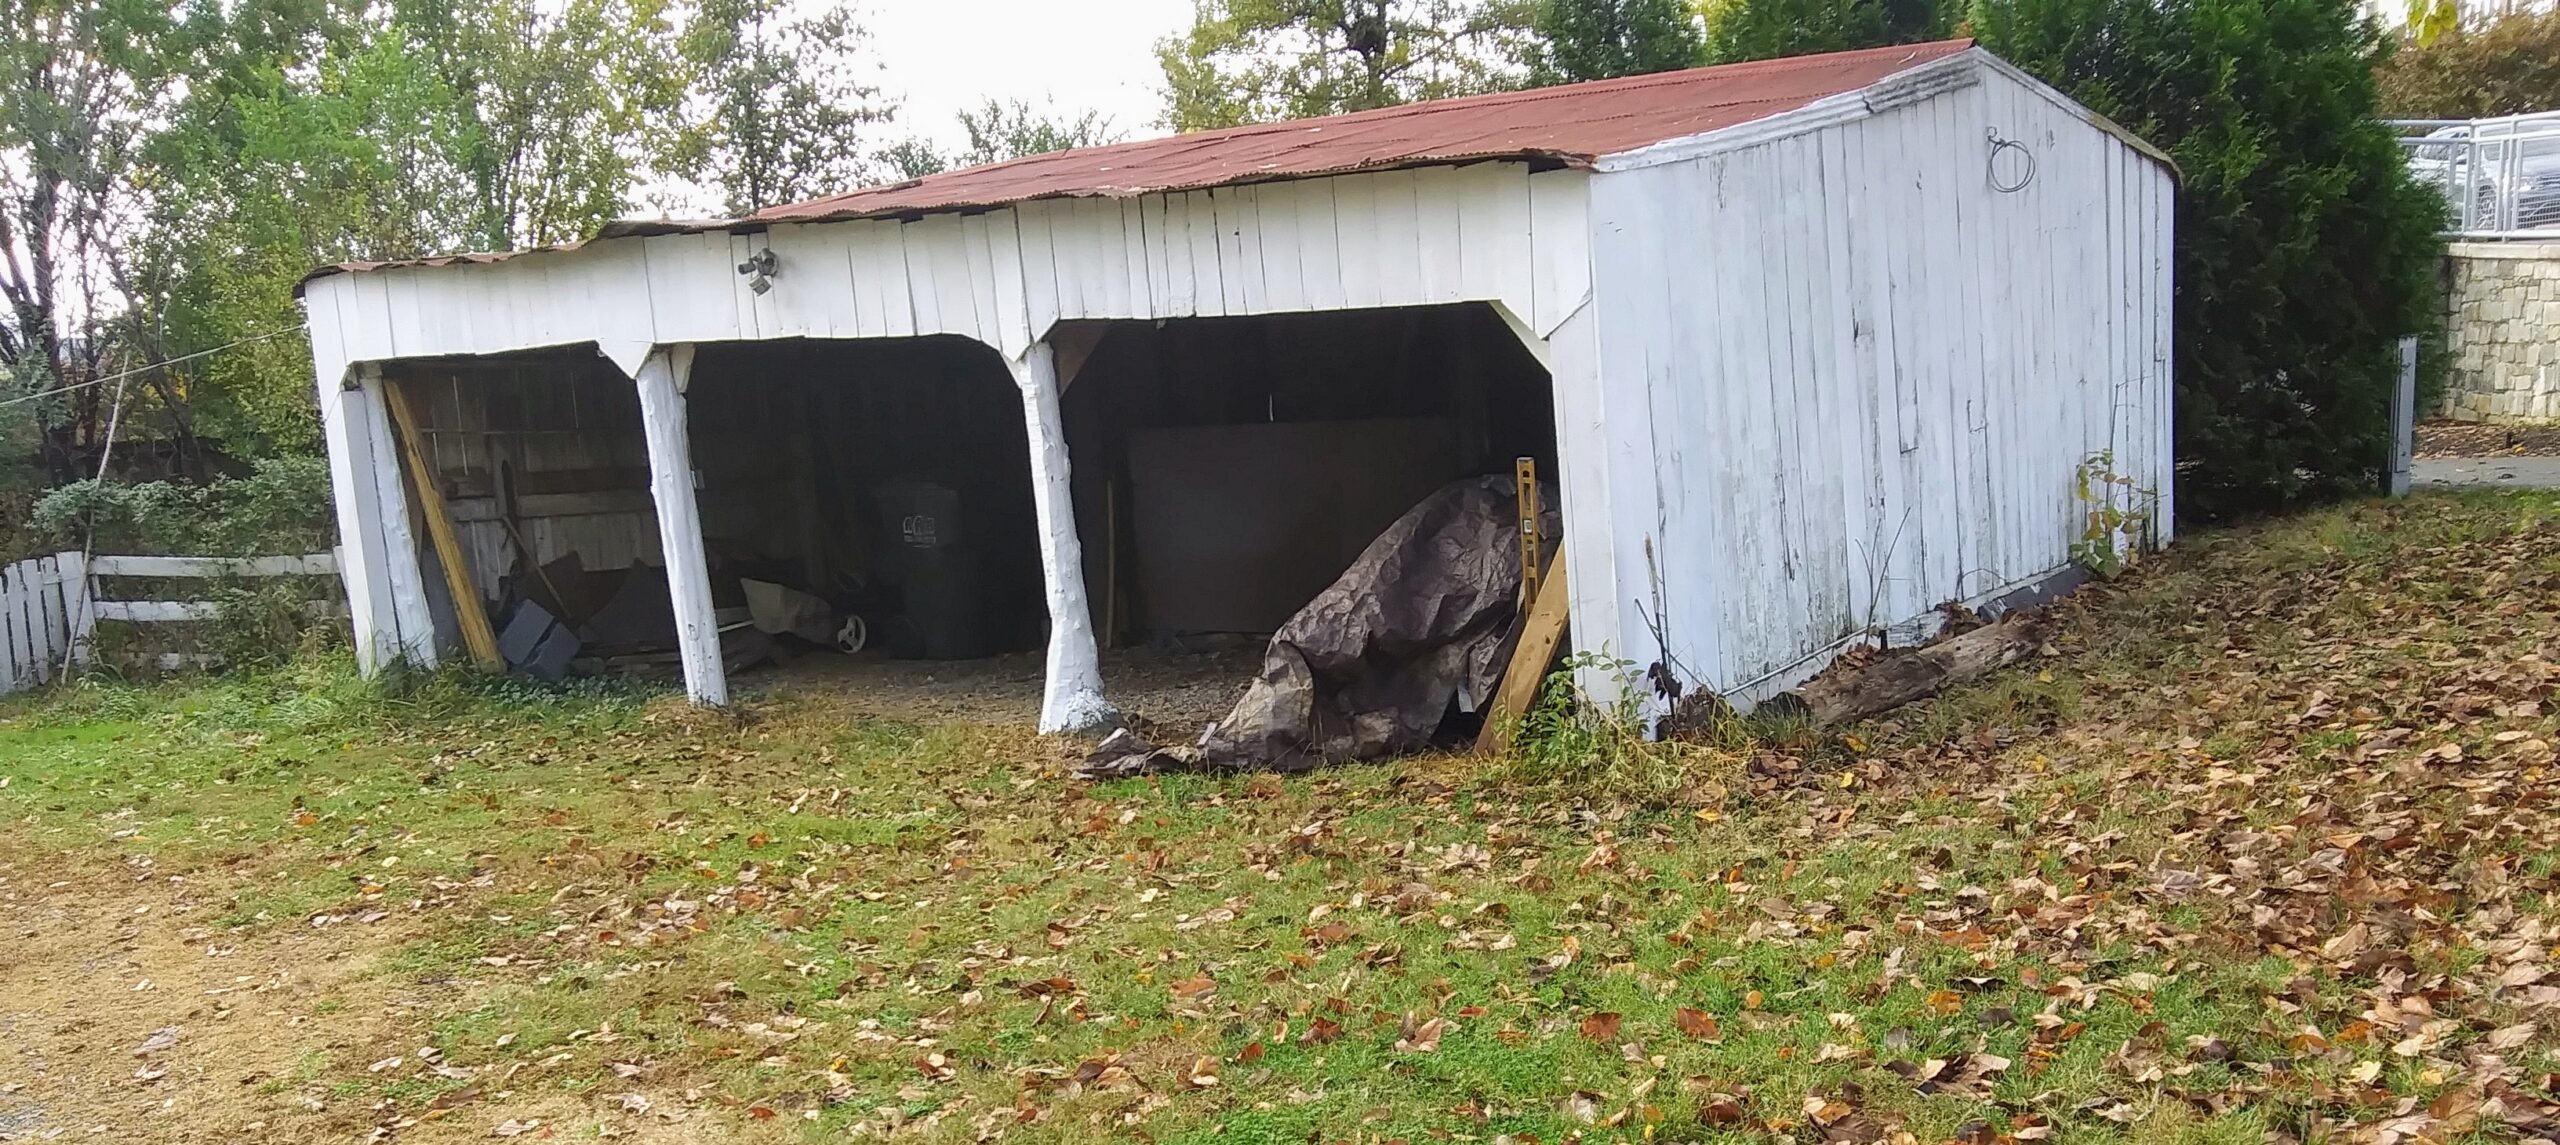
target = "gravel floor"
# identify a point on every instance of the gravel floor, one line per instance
(1177, 690)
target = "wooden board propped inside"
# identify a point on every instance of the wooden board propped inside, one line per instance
(477, 637)
(1540, 637)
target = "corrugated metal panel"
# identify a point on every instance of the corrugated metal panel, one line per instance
(1573, 124)
(1844, 379)
(1570, 124)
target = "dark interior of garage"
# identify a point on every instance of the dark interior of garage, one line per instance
(1228, 469)
(890, 478)
(1224, 471)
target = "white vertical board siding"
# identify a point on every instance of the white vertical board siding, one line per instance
(1484, 232)
(380, 568)
(1843, 379)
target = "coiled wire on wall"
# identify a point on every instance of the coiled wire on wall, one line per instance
(1991, 164)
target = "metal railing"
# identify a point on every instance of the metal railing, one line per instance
(2500, 177)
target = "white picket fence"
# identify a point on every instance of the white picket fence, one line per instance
(50, 606)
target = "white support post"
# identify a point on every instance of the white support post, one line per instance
(377, 636)
(380, 568)
(1071, 699)
(402, 571)
(661, 381)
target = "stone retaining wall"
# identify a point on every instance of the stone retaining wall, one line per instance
(2502, 332)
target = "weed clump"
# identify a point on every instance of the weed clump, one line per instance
(1599, 747)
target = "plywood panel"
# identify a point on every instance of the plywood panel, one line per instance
(1560, 245)
(1396, 233)
(1320, 247)
(1238, 526)
(1441, 253)
(814, 264)
(1039, 267)
(1494, 262)
(1283, 234)
(1355, 227)
(1200, 239)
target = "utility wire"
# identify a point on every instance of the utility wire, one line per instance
(89, 535)
(147, 369)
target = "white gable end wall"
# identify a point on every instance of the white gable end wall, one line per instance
(1846, 379)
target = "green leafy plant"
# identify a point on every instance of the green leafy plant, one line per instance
(262, 621)
(1599, 747)
(2116, 515)
(2504, 66)
(1568, 727)
(281, 506)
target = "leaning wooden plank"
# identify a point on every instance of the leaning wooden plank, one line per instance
(1889, 683)
(1539, 640)
(315, 564)
(477, 637)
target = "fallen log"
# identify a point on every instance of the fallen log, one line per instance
(1897, 679)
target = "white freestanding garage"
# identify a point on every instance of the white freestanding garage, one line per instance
(1813, 346)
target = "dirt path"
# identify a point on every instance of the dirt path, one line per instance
(129, 1011)
(98, 968)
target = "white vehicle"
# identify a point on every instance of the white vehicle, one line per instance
(2498, 176)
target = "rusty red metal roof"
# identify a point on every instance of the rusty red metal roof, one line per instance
(1570, 125)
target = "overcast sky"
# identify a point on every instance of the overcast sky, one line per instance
(940, 56)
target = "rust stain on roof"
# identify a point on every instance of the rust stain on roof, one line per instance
(1573, 125)
(1570, 125)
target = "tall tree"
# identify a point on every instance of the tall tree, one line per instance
(1602, 39)
(782, 110)
(2506, 65)
(563, 102)
(913, 157)
(1010, 129)
(1764, 29)
(312, 134)
(1254, 61)
(82, 88)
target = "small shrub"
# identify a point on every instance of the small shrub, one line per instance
(1600, 749)
(282, 505)
(2116, 516)
(260, 621)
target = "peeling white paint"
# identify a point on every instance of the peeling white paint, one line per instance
(1071, 697)
(661, 384)
(1843, 378)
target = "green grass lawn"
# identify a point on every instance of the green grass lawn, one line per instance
(2263, 849)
